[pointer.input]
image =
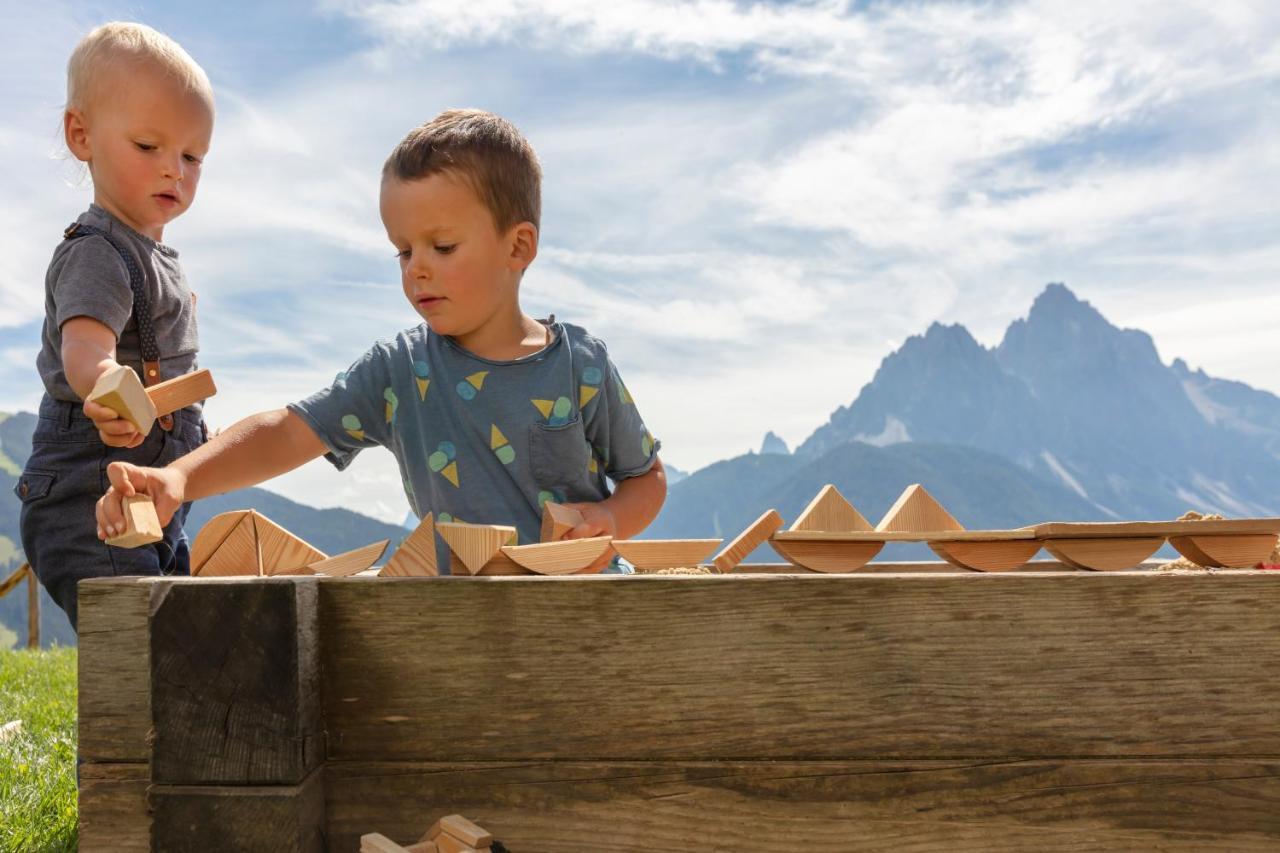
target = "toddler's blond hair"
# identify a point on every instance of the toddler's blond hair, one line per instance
(110, 45)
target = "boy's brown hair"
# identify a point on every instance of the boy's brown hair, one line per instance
(485, 150)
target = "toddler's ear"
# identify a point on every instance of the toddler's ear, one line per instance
(75, 133)
(524, 245)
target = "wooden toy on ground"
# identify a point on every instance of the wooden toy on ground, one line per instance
(141, 524)
(651, 555)
(120, 390)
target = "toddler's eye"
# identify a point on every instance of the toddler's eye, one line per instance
(404, 254)
(445, 250)
(191, 158)
(143, 146)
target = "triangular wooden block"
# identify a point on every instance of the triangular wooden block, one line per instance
(917, 512)
(236, 553)
(282, 551)
(416, 554)
(557, 520)
(351, 562)
(475, 544)
(211, 537)
(829, 512)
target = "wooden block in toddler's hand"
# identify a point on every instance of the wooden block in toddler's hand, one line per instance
(141, 524)
(557, 520)
(120, 390)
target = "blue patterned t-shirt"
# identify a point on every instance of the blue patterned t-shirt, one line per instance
(482, 441)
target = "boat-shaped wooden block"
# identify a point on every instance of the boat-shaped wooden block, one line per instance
(1104, 554)
(350, 563)
(1231, 551)
(986, 555)
(980, 550)
(565, 557)
(649, 555)
(821, 552)
(1163, 529)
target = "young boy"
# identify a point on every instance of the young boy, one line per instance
(139, 113)
(489, 412)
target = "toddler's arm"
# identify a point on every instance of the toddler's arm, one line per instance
(634, 504)
(257, 448)
(88, 351)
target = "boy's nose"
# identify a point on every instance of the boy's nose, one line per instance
(173, 170)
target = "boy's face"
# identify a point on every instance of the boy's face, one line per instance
(144, 139)
(459, 272)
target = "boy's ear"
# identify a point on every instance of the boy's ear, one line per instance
(75, 132)
(524, 245)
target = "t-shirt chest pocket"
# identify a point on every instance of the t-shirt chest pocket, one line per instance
(558, 455)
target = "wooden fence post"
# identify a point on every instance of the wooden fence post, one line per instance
(33, 608)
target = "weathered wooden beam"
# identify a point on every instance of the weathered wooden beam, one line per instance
(278, 818)
(234, 681)
(779, 807)
(804, 667)
(114, 815)
(114, 670)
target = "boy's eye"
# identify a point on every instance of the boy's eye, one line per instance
(143, 146)
(444, 250)
(191, 158)
(404, 254)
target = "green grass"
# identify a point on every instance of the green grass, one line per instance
(38, 767)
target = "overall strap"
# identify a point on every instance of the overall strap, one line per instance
(141, 308)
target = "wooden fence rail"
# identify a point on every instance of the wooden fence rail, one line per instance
(25, 572)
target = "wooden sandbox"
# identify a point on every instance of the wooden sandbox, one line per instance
(885, 710)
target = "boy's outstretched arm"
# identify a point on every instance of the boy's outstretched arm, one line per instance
(255, 449)
(628, 511)
(88, 351)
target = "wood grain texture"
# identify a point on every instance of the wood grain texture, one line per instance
(559, 558)
(212, 535)
(351, 562)
(120, 389)
(899, 806)
(830, 511)
(1131, 529)
(276, 818)
(182, 391)
(755, 535)
(141, 524)
(1104, 555)
(805, 666)
(651, 554)
(916, 510)
(235, 553)
(827, 555)
(987, 556)
(416, 554)
(1237, 552)
(907, 536)
(557, 520)
(234, 681)
(283, 551)
(114, 670)
(475, 544)
(114, 814)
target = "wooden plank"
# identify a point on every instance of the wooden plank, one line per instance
(756, 534)
(806, 666)
(650, 554)
(114, 815)
(1129, 529)
(906, 536)
(278, 818)
(114, 670)
(182, 391)
(914, 806)
(234, 681)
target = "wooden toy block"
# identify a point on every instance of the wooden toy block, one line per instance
(212, 535)
(1109, 554)
(559, 558)
(121, 390)
(416, 554)
(376, 842)
(557, 520)
(447, 843)
(501, 564)
(1142, 529)
(256, 545)
(465, 831)
(141, 524)
(475, 544)
(748, 540)
(350, 563)
(282, 552)
(987, 555)
(829, 511)
(422, 847)
(827, 555)
(649, 555)
(917, 511)
(1233, 552)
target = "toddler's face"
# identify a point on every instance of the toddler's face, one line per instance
(456, 268)
(144, 142)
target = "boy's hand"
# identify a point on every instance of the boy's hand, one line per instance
(114, 430)
(165, 487)
(597, 520)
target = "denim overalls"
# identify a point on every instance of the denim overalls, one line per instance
(67, 473)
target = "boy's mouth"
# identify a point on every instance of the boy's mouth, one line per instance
(429, 301)
(166, 199)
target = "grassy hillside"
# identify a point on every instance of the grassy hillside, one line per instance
(38, 767)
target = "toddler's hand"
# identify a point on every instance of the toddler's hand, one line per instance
(114, 430)
(164, 486)
(597, 520)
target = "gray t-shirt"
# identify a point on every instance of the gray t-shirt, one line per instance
(87, 278)
(482, 441)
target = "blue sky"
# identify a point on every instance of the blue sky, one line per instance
(752, 203)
